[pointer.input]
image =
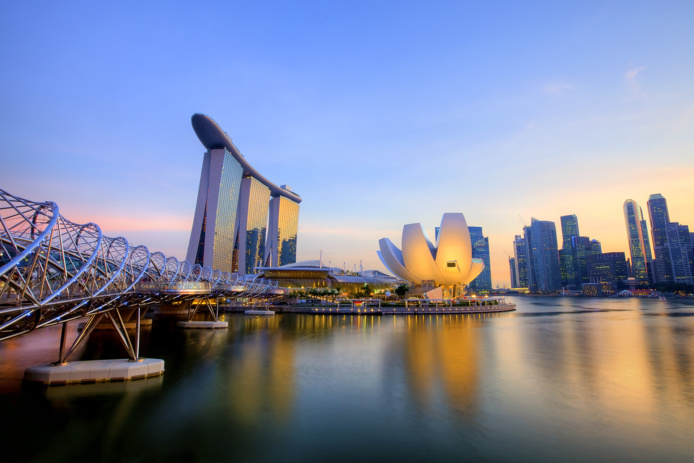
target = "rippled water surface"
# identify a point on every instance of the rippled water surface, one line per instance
(560, 379)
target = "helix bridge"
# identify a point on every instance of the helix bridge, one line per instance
(53, 271)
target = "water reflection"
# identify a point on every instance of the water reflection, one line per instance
(560, 379)
(439, 361)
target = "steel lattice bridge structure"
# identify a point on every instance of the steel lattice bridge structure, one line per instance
(53, 270)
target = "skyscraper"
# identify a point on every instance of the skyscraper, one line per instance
(512, 269)
(569, 231)
(544, 274)
(480, 250)
(231, 213)
(562, 268)
(680, 252)
(521, 262)
(582, 247)
(659, 218)
(283, 226)
(637, 235)
(530, 263)
(215, 221)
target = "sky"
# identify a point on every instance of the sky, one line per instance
(378, 113)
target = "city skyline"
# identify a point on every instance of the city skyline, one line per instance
(582, 260)
(377, 115)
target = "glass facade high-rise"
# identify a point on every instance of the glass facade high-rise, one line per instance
(639, 245)
(659, 218)
(216, 211)
(283, 228)
(521, 261)
(608, 267)
(480, 250)
(680, 252)
(582, 247)
(530, 263)
(576, 249)
(232, 226)
(253, 211)
(512, 269)
(595, 247)
(544, 270)
(569, 231)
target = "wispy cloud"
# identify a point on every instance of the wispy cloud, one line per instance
(135, 223)
(557, 89)
(631, 81)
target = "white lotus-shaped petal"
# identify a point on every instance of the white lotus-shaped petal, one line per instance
(447, 263)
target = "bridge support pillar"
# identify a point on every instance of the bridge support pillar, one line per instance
(204, 324)
(65, 372)
(94, 371)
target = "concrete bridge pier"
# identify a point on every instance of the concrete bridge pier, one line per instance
(92, 371)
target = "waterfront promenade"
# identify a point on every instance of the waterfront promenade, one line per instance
(383, 310)
(379, 307)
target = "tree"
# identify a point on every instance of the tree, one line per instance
(367, 290)
(402, 289)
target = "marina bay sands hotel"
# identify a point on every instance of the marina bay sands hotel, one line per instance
(242, 220)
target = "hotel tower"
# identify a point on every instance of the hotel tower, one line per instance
(242, 220)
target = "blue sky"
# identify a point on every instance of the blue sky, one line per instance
(377, 113)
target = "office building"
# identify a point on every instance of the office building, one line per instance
(480, 250)
(595, 247)
(575, 250)
(543, 257)
(680, 245)
(659, 218)
(639, 245)
(571, 274)
(520, 261)
(608, 267)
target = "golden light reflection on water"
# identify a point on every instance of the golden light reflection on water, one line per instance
(439, 354)
(603, 363)
(261, 377)
(621, 365)
(589, 375)
(35, 348)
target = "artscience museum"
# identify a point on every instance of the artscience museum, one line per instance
(447, 263)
